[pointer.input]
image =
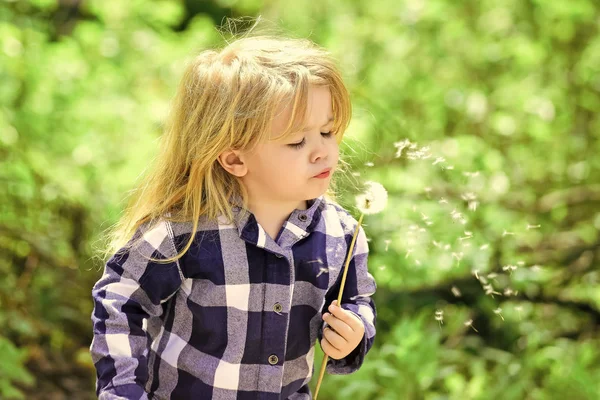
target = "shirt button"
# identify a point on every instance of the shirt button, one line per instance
(302, 217)
(273, 359)
(277, 307)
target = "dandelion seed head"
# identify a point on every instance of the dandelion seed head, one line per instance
(373, 200)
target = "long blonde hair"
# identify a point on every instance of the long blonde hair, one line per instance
(227, 99)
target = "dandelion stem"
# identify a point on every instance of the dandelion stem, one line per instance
(339, 299)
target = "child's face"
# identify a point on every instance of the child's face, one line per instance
(279, 172)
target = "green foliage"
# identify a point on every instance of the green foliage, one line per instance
(499, 99)
(12, 370)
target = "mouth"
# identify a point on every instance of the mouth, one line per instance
(324, 174)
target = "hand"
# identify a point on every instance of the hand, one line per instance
(344, 333)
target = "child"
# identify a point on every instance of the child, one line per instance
(232, 250)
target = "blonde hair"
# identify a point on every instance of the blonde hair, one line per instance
(227, 99)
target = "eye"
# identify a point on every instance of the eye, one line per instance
(301, 144)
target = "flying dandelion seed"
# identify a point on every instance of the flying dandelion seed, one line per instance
(471, 174)
(473, 205)
(438, 160)
(401, 146)
(382, 267)
(448, 167)
(484, 246)
(322, 270)
(387, 244)
(510, 268)
(507, 233)
(369, 164)
(439, 316)
(356, 173)
(468, 234)
(458, 257)
(519, 309)
(475, 272)
(408, 252)
(443, 201)
(456, 291)
(508, 292)
(499, 311)
(436, 244)
(532, 226)
(490, 290)
(417, 262)
(520, 263)
(428, 189)
(470, 323)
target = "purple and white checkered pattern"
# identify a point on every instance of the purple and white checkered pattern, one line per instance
(237, 317)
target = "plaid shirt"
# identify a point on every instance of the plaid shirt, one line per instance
(237, 317)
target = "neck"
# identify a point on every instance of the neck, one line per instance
(272, 214)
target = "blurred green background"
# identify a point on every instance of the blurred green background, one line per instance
(486, 257)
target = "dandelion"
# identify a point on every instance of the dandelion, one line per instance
(372, 201)
(470, 323)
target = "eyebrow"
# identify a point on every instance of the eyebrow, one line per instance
(328, 121)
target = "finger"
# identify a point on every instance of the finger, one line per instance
(342, 314)
(329, 349)
(334, 338)
(338, 325)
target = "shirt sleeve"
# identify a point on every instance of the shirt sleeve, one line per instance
(131, 289)
(358, 289)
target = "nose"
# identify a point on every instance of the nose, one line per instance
(320, 151)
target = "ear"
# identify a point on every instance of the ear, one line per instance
(232, 162)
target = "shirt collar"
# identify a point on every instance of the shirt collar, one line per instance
(297, 226)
